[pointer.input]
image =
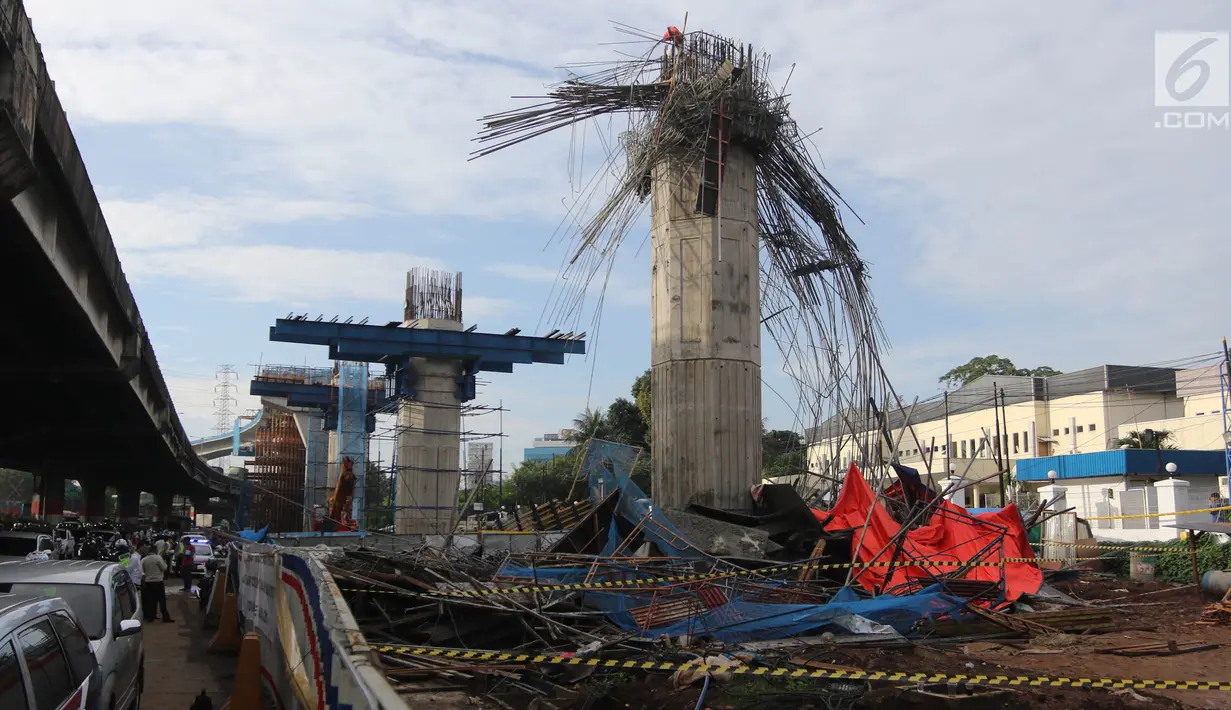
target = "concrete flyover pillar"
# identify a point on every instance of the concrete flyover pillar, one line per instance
(164, 503)
(130, 506)
(48, 502)
(94, 500)
(429, 443)
(706, 339)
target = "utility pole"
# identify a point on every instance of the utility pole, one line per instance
(948, 441)
(1224, 387)
(996, 446)
(500, 492)
(1004, 414)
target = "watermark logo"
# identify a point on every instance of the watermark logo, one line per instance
(1192, 75)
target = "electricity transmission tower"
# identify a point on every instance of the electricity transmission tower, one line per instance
(224, 399)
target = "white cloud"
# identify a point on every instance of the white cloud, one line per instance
(289, 275)
(524, 272)
(617, 289)
(194, 398)
(1015, 143)
(182, 219)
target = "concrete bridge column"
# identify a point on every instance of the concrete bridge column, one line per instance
(94, 496)
(428, 445)
(49, 496)
(706, 334)
(164, 501)
(130, 506)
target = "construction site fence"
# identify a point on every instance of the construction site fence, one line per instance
(313, 654)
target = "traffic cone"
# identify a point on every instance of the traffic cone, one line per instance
(247, 692)
(227, 638)
(213, 610)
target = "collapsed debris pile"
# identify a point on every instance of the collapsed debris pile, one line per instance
(631, 588)
(1219, 612)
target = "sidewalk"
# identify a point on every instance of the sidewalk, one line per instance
(177, 666)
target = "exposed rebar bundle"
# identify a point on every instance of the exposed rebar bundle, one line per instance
(686, 97)
(433, 294)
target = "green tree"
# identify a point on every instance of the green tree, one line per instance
(589, 424)
(641, 395)
(782, 453)
(539, 481)
(1041, 371)
(624, 423)
(378, 496)
(1148, 439)
(643, 474)
(991, 365)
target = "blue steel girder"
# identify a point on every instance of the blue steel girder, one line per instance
(300, 395)
(305, 395)
(485, 352)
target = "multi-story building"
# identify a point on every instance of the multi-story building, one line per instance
(963, 434)
(549, 446)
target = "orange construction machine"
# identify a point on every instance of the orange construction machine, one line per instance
(337, 512)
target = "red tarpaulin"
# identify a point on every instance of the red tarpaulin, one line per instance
(952, 535)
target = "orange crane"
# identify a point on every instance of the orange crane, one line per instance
(337, 512)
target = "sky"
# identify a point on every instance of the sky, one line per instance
(1016, 195)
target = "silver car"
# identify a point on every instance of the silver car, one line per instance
(45, 659)
(105, 602)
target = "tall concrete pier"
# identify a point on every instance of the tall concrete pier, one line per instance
(429, 442)
(706, 342)
(433, 363)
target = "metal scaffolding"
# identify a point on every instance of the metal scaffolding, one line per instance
(277, 473)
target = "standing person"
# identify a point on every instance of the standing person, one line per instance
(160, 546)
(1217, 501)
(154, 591)
(134, 565)
(122, 552)
(187, 563)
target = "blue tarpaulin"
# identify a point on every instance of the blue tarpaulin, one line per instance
(725, 611)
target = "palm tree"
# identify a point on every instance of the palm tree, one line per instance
(1161, 439)
(589, 424)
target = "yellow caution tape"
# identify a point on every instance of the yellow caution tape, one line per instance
(817, 673)
(1118, 548)
(1158, 515)
(644, 581)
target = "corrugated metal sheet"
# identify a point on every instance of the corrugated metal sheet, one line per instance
(1120, 462)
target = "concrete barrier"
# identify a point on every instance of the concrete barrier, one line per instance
(313, 655)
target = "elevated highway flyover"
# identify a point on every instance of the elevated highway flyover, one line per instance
(87, 400)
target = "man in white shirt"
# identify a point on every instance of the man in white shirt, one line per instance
(154, 592)
(134, 565)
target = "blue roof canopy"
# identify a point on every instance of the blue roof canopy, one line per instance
(1122, 462)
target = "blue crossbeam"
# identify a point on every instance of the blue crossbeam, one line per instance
(374, 343)
(305, 395)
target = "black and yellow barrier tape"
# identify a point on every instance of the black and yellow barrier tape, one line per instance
(1173, 549)
(815, 673)
(684, 578)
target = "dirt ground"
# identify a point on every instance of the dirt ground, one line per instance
(1161, 612)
